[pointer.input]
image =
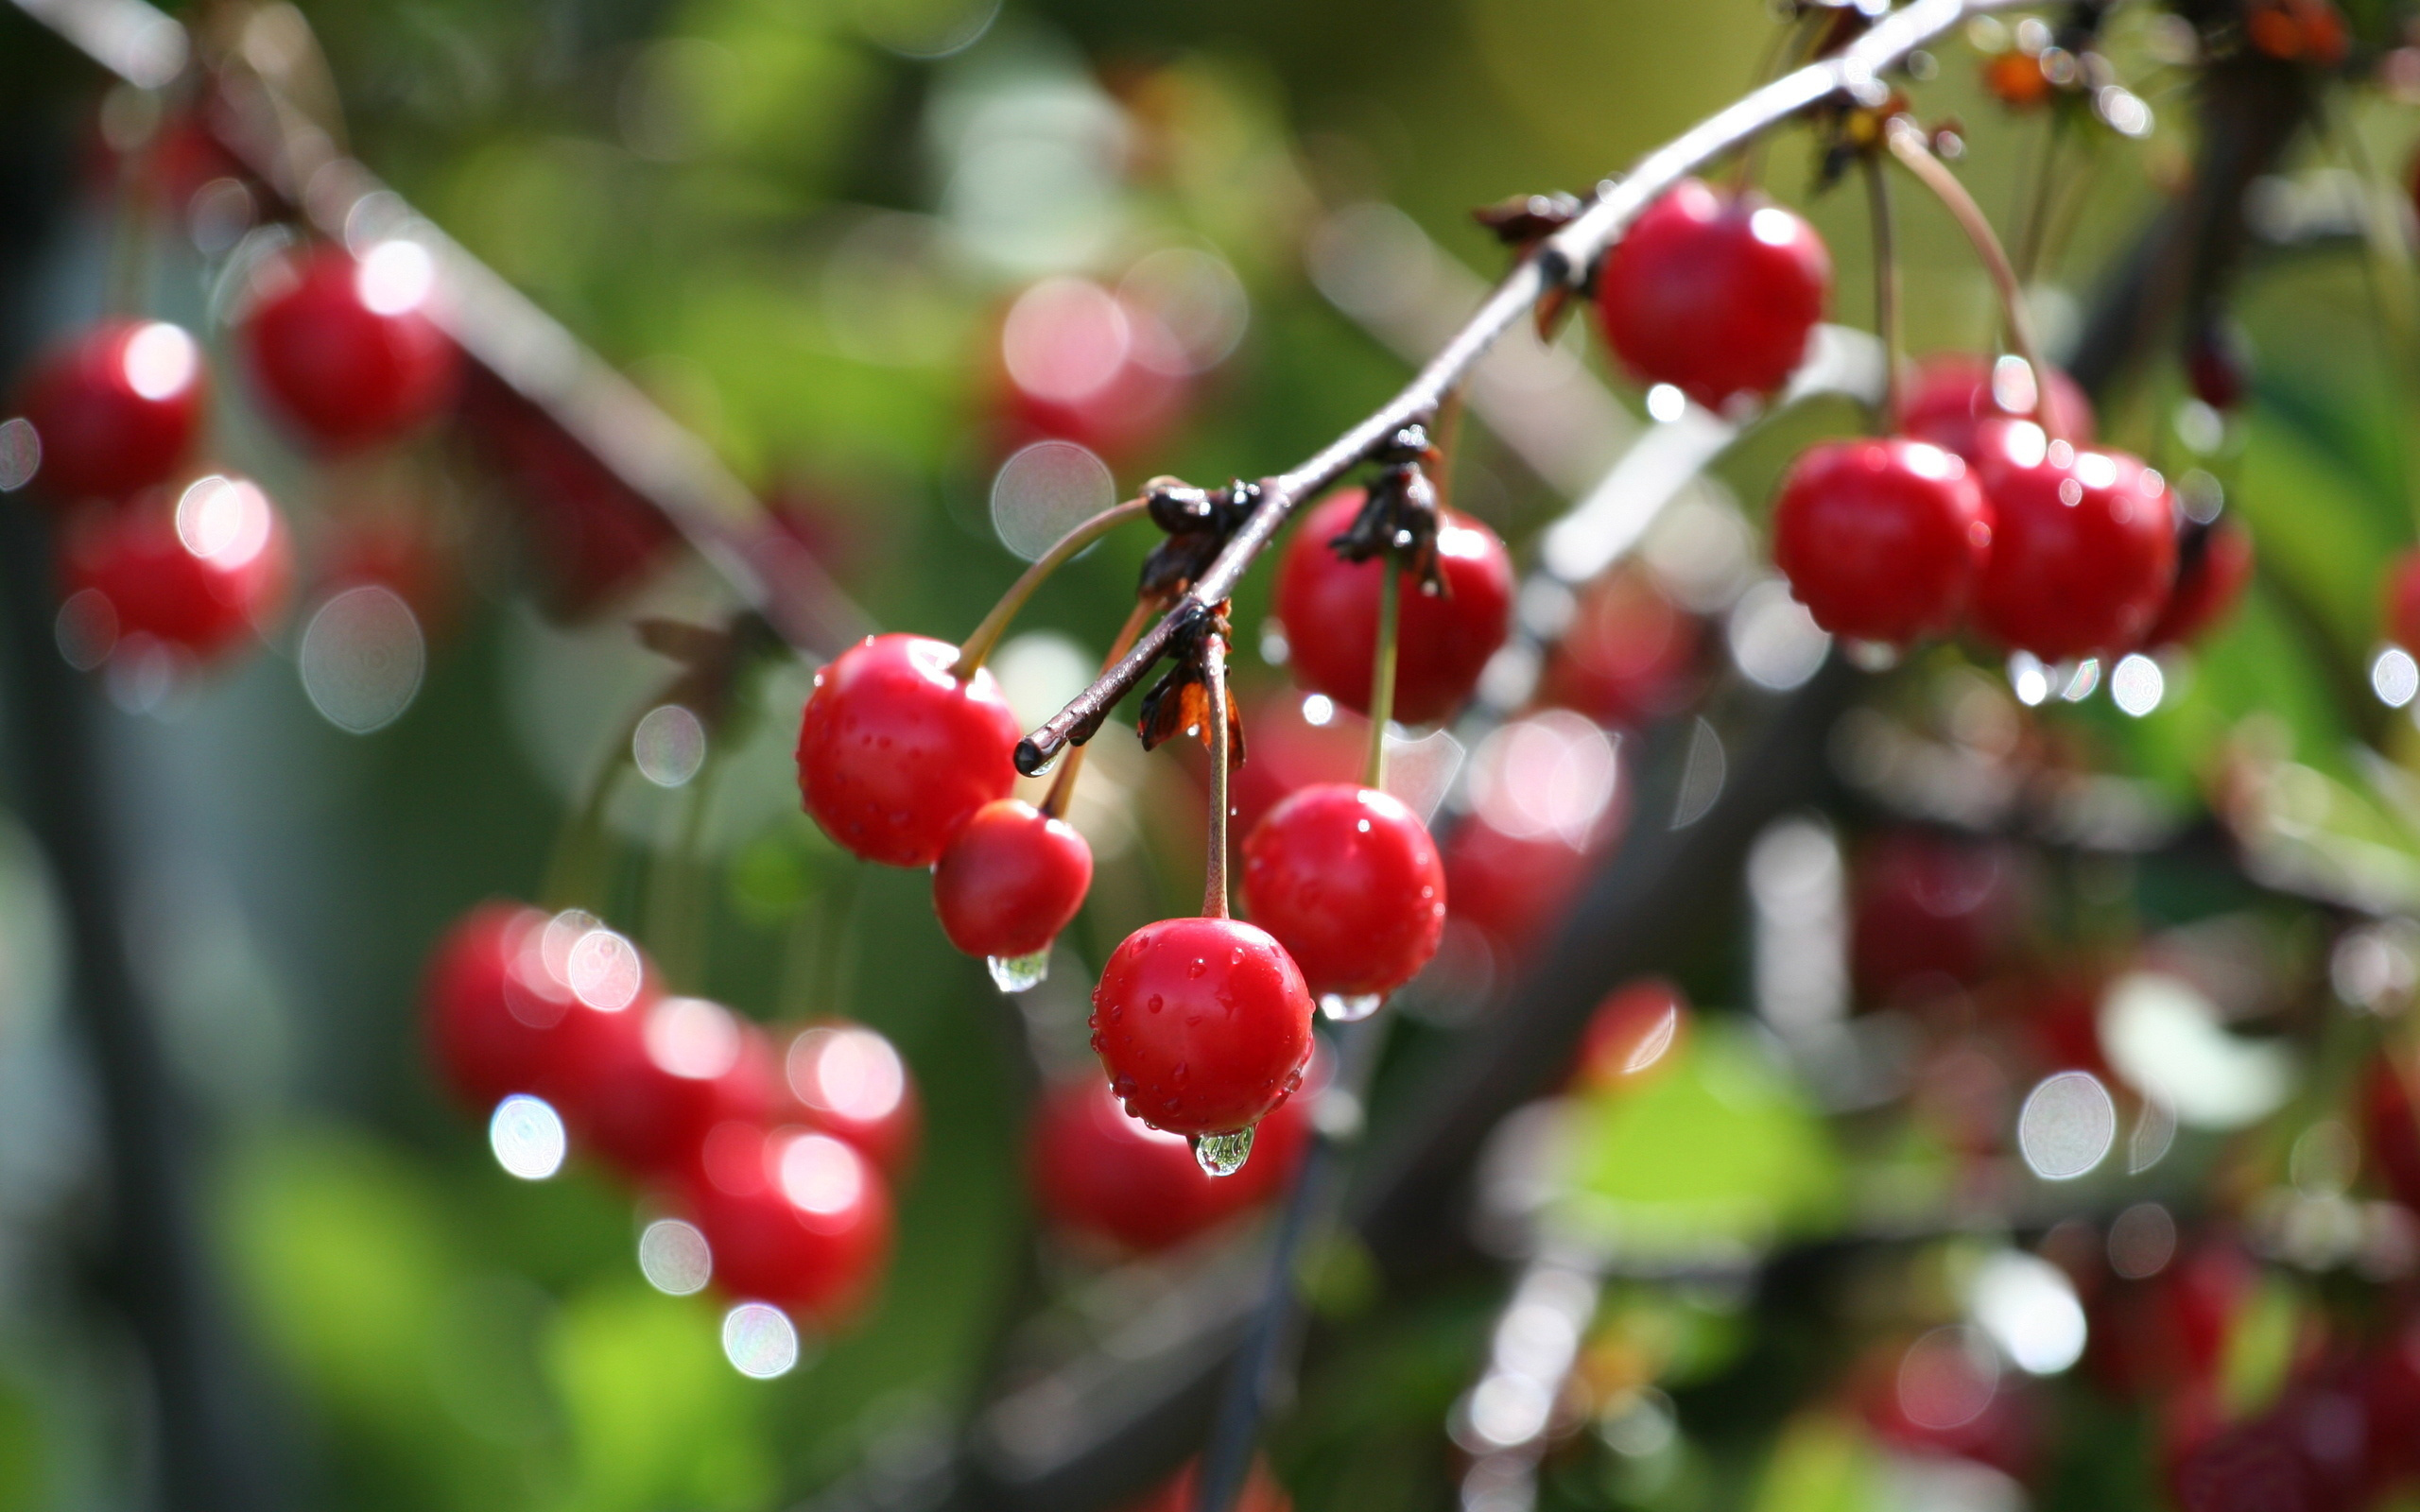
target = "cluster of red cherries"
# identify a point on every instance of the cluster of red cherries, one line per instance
(779, 1147)
(1988, 506)
(157, 548)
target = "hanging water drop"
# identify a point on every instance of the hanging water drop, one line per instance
(1350, 1008)
(1223, 1154)
(1019, 973)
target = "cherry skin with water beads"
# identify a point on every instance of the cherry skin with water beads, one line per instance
(116, 408)
(1330, 610)
(1011, 880)
(1105, 1176)
(199, 570)
(1714, 293)
(895, 754)
(1880, 539)
(344, 349)
(796, 1218)
(1203, 1024)
(2083, 547)
(1349, 881)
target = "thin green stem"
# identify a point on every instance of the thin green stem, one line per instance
(1886, 291)
(676, 897)
(1907, 142)
(1214, 683)
(571, 871)
(1382, 667)
(2032, 231)
(978, 645)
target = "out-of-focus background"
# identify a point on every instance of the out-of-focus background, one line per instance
(251, 1255)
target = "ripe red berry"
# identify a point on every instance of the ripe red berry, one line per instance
(1930, 911)
(643, 1086)
(2401, 613)
(1349, 881)
(1330, 610)
(796, 1218)
(1632, 1037)
(1628, 657)
(2213, 567)
(1956, 400)
(1103, 1175)
(1882, 541)
(849, 1080)
(1203, 1024)
(116, 409)
(198, 570)
(344, 348)
(2083, 547)
(491, 1004)
(1714, 293)
(894, 753)
(1011, 881)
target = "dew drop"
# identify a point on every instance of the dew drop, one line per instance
(1194, 968)
(1350, 1008)
(1019, 973)
(1222, 1154)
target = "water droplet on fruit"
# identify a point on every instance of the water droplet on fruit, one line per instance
(1151, 1005)
(1194, 968)
(1345, 1007)
(1222, 1154)
(1022, 974)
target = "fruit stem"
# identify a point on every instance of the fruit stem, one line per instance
(1906, 142)
(1886, 290)
(1214, 683)
(569, 870)
(1062, 788)
(2033, 230)
(675, 897)
(1382, 667)
(985, 636)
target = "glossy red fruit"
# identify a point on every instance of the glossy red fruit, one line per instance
(1330, 610)
(1882, 541)
(1348, 880)
(847, 1079)
(1261, 1492)
(116, 409)
(344, 349)
(200, 570)
(1957, 400)
(894, 753)
(1932, 913)
(1203, 1024)
(641, 1086)
(1628, 658)
(1633, 1037)
(491, 1005)
(1714, 293)
(2083, 547)
(796, 1218)
(1102, 1174)
(1082, 365)
(2401, 610)
(2213, 567)
(1011, 880)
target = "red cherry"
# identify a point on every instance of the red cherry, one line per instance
(1511, 887)
(2213, 567)
(1882, 541)
(1349, 881)
(1079, 364)
(1289, 753)
(894, 753)
(1956, 398)
(491, 1004)
(2402, 600)
(2083, 547)
(1011, 881)
(1930, 912)
(850, 1081)
(800, 1219)
(2217, 369)
(643, 1086)
(116, 409)
(1628, 657)
(1632, 1037)
(1103, 1174)
(344, 348)
(198, 570)
(1261, 1492)
(1714, 293)
(1330, 610)
(1203, 1024)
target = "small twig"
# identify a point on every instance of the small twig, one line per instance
(1886, 289)
(1907, 142)
(2033, 232)
(1213, 684)
(980, 640)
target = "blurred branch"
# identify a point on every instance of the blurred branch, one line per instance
(496, 326)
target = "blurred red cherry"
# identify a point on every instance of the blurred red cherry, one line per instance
(116, 409)
(1881, 540)
(1011, 881)
(2213, 567)
(894, 753)
(200, 570)
(1102, 1173)
(2083, 547)
(642, 1087)
(2401, 614)
(344, 349)
(1957, 400)
(796, 1218)
(1631, 1037)
(1628, 657)
(1289, 753)
(1261, 1492)
(1930, 910)
(1203, 1024)
(489, 1004)
(1348, 880)
(2391, 1119)
(1946, 1393)
(1330, 610)
(849, 1080)
(1079, 364)
(2165, 1334)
